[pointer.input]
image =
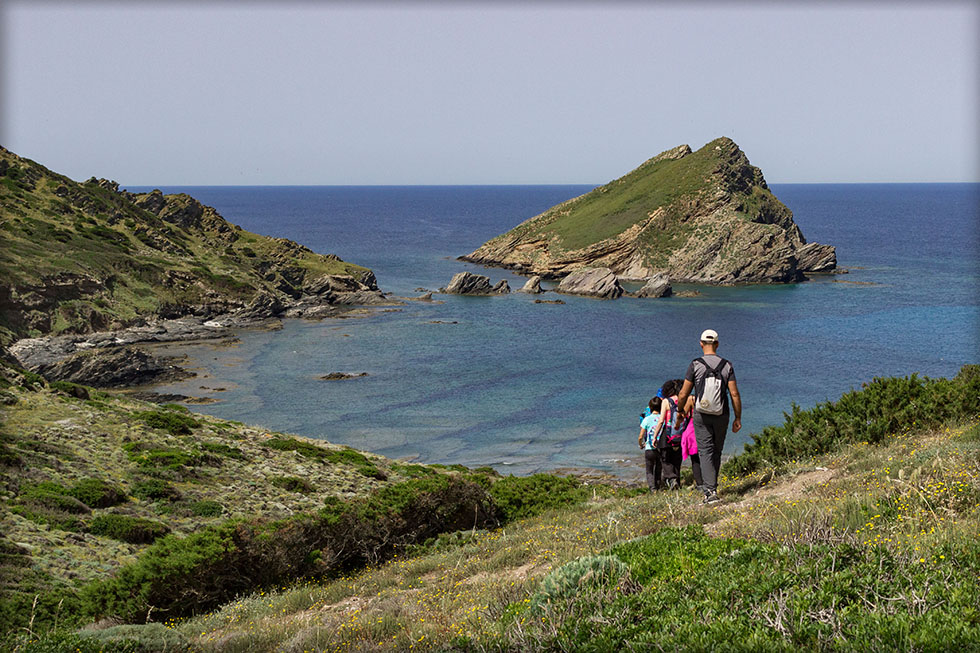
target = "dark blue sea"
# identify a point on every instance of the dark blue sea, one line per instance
(523, 387)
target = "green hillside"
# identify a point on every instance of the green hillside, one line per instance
(854, 525)
(76, 257)
(662, 182)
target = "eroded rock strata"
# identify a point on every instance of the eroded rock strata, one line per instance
(697, 217)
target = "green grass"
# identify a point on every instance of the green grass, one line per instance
(611, 209)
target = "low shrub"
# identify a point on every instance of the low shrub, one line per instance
(125, 528)
(50, 503)
(292, 484)
(206, 508)
(568, 580)
(63, 641)
(172, 422)
(71, 389)
(525, 496)
(223, 450)
(54, 496)
(151, 456)
(182, 576)
(9, 457)
(96, 493)
(155, 489)
(884, 407)
(413, 471)
(32, 381)
(343, 456)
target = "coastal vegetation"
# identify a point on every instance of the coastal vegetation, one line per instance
(853, 526)
(81, 257)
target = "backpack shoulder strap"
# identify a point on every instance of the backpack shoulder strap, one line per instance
(720, 366)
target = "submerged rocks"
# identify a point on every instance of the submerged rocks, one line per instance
(341, 376)
(592, 282)
(656, 286)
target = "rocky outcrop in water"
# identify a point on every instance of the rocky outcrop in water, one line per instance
(696, 217)
(656, 286)
(467, 283)
(533, 286)
(591, 282)
(341, 376)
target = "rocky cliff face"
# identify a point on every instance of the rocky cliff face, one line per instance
(701, 217)
(83, 257)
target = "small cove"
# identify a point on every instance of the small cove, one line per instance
(523, 387)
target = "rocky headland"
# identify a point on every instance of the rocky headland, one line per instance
(87, 269)
(696, 217)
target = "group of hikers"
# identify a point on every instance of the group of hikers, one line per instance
(689, 419)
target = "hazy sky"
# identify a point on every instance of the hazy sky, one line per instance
(420, 93)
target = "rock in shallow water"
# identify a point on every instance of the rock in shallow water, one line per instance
(533, 286)
(656, 286)
(341, 376)
(467, 283)
(592, 282)
(502, 288)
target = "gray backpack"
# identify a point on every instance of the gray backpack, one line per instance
(710, 390)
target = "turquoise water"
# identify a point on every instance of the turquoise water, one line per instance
(523, 386)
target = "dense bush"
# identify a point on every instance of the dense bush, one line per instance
(155, 457)
(344, 456)
(881, 408)
(292, 484)
(125, 528)
(524, 496)
(223, 450)
(182, 576)
(50, 503)
(96, 493)
(154, 489)
(206, 508)
(175, 423)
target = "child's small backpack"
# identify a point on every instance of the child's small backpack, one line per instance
(671, 436)
(711, 391)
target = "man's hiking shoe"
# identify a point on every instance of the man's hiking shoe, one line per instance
(712, 498)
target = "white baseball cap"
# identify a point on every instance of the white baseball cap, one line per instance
(709, 335)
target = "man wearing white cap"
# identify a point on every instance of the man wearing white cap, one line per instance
(713, 379)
